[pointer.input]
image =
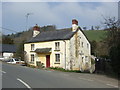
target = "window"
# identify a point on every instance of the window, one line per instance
(32, 57)
(57, 45)
(16, 59)
(82, 59)
(82, 44)
(86, 58)
(11, 60)
(57, 57)
(32, 47)
(87, 45)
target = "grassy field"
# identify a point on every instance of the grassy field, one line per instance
(97, 35)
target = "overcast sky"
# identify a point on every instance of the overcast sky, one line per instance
(55, 13)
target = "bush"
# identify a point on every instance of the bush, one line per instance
(39, 64)
(32, 66)
(62, 69)
(92, 61)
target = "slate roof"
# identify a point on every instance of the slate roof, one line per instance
(8, 48)
(43, 50)
(52, 35)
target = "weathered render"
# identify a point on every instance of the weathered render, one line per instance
(80, 52)
(68, 49)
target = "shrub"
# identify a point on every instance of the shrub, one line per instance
(32, 66)
(62, 69)
(39, 64)
(92, 61)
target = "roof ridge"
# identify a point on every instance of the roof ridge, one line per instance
(64, 34)
(55, 30)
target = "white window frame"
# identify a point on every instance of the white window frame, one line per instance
(57, 57)
(32, 57)
(86, 58)
(57, 45)
(87, 45)
(82, 44)
(32, 47)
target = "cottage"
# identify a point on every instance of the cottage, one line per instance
(68, 49)
(7, 51)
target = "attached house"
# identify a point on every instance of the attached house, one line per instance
(7, 51)
(68, 49)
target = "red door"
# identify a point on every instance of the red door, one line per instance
(47, 60)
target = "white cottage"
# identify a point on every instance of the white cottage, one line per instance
(68, 49)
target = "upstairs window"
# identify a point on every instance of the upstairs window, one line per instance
(87, 45)
(57, 57)
(32, 57)
(82, 44)
(57, 45)
(32, 47)
(86, 58)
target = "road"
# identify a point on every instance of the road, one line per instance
(14, 76)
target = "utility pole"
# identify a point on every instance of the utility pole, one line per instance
(27, 15)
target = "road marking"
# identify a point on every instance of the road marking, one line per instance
(24, 83)
(2, 71)
(85, 79)
(112, 85)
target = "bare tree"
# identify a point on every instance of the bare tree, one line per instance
(112, 41)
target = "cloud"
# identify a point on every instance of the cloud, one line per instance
(60, 0)
(59, 14)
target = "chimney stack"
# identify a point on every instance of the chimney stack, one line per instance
(36, 30)
(74, 25)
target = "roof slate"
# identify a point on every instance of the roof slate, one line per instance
(8, 48)
(52, 35)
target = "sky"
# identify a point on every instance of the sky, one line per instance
(59, 14)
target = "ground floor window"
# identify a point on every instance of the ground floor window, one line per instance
(57, 57)
(32, 57)
(86, 58)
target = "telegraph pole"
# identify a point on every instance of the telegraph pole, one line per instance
(27, 15)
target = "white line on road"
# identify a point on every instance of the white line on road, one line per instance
(112, 85)
(24, 83)
(2, 71)
(85, 79)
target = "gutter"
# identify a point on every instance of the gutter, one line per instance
(65, 54)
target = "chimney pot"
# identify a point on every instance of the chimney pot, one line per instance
(36, 30)
(74, 21)
(36, 27)
(74, 25)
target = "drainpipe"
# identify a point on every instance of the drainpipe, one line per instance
(65, 54)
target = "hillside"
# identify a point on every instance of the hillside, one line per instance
(26, 35)
(96, 35)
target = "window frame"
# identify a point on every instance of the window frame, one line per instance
(86, 58)
(32, 47)
(57, 45)
(87, 45)
(82, 44)
(32, 57)
(57, 57)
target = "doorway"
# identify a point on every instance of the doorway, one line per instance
(47, 61)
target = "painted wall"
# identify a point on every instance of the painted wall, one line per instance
(72, 54)
(80, 55)
(42, 57)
